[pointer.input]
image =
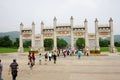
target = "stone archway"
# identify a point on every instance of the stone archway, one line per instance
(67, 30)
(102, 31)
(26, 33)
(64, 30)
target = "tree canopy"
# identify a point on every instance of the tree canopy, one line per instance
(16, 43)
(80, 43)
(104, 42)
(61, 43)
(48, 44)
(5, 41)
(27, 43)
(117, 44)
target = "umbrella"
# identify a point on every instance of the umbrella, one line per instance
(80, 52)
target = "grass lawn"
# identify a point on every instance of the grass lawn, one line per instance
(7, 50)
(106, 49)
(118, 49)
(10, 50)
(26, 49)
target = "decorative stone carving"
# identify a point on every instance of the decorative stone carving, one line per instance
(69, 30)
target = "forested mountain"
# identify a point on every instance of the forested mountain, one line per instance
(117, 38)
(12, 35)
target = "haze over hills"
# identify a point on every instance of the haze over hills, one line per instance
(12, 35)
(15, 34)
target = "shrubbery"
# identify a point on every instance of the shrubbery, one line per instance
(94, 51)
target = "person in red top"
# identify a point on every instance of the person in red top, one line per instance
(64, 53)
(1, 67)
(33, 58)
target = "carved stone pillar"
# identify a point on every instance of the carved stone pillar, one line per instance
(33, 35)
(55, 39)
(42, 37)
(112, 47)
(97, 47)
(86, 36)
(72, 38)
(21, 50)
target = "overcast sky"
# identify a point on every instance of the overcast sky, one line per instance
(13, 12)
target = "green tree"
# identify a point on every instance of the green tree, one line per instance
(48, 44)
(1, 41)
(27, 43)
(16, 43)
(80, 43)
(104, 42)
(5, 41)
(117, 44)
(61, 43)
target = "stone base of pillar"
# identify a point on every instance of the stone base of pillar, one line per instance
(87, 49)
(32, 48)
(97, 48)
(55, 48)
(20, 50)
(72, 48)
(42, 50)
(112, 49)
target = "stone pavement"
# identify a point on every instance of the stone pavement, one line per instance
(69, 68)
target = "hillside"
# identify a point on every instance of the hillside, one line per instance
(15, 34)
(117, 38)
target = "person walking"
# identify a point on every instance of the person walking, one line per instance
(13, 69)
(33, 58)
(29, 58)
(50, 56)
(79, 53)
(55, 57)
(64, 53)
(40, 59)
(1, 67)
(46, 58)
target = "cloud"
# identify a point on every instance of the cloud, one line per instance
(82, 3)
(15, 11)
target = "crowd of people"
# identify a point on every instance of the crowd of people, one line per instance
(49, 56)
(52, 55)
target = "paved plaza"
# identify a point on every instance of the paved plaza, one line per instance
(69, 68)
